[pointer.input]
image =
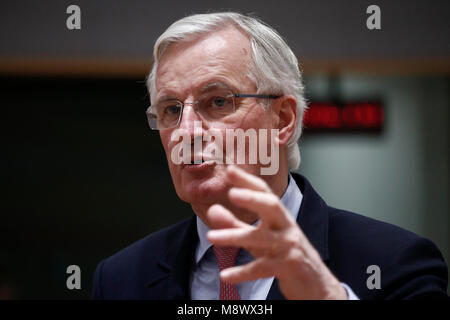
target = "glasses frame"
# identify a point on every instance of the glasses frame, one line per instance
(234, 95)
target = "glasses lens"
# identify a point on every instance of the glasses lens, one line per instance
(164, 115)
(152, 119)
(216, 105)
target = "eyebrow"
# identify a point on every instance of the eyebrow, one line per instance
(167, 97)
(217, 85)
(214, 86)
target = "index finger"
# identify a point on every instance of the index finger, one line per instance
(243, 179)
(265, 204)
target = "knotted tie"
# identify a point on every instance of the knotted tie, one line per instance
(226, 257)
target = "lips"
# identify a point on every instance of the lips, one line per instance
(206, 163)
(202, 159)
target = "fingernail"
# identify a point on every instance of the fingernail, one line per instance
(210, 234)
(234, 192)
(238, 192)
(224, 273)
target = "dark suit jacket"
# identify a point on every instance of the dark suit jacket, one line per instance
(159, 266)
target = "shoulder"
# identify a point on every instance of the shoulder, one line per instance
(345, 226)
(157, 243)
(410, 266)
(123, 273)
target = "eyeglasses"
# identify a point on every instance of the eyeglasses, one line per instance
(212, 106)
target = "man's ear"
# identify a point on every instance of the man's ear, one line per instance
(286, 109)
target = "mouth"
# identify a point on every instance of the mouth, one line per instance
(199, 165)
(200, 159)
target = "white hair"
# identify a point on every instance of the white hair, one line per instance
(275, 68)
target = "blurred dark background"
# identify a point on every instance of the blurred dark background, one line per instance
(83, 176)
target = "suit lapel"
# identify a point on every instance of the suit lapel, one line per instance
(313, 221)
(172, 278)
(313, 216)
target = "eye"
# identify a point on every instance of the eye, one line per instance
(172, 109)
(219, 102)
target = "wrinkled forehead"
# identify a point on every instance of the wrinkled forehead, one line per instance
(223, 55)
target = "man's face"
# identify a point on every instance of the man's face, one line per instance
(184, 71)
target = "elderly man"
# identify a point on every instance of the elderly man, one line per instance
(259, 231)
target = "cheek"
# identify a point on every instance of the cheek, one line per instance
(260, 119)
(254, 116)
(165, 140)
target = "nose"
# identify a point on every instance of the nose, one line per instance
(188, 117)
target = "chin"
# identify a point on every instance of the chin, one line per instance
(210, 188)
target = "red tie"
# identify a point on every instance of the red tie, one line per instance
(226, 257)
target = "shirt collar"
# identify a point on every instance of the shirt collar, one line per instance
(291, 199)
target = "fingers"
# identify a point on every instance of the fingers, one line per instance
(253, 193)
(257, 269)
(241, 179)
(247, 237)
(267, 205)
(219, 217)
(265, 241)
